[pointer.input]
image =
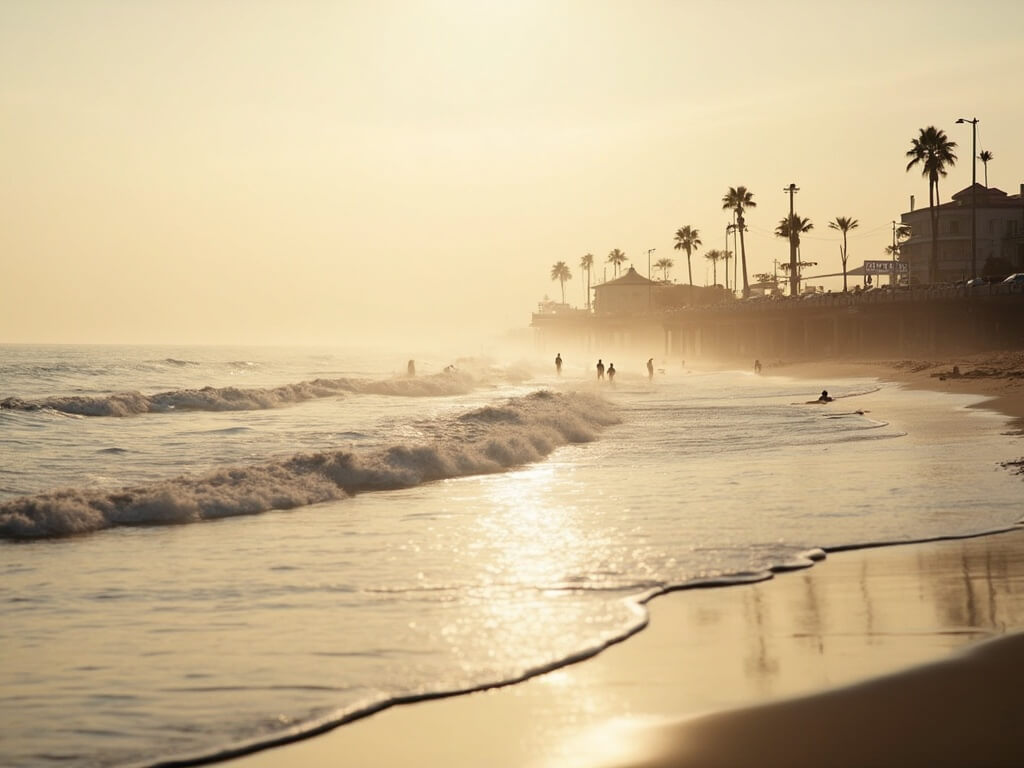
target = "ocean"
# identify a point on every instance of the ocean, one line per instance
(207, 549)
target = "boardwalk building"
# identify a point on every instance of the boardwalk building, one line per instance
(999, 235)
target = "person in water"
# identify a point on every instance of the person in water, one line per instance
(410, 369)
(558, 363)
(824, 397)
(757, 366)
(600, 369)
(611, 371)
(650, 368)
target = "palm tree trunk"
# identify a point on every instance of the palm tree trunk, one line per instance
(743, 256)
(933, 261)
(842, 255)
(588, 288)
(689, 267)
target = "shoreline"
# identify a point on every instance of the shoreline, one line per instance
(542, 721)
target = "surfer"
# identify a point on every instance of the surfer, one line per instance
(611, 372)
(600, 369)
(650, 368)
(410, 369)
(757, 366)
(824, 397)
(558, 363)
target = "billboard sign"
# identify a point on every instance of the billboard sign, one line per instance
(885, 267)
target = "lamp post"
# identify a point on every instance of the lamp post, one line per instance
(649, 252)
(974, 192)
(728, 229)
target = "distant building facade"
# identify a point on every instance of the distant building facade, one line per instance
(1000, 235)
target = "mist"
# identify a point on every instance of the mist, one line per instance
(407, 173)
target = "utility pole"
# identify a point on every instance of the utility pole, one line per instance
(892, 277)
(794, 275)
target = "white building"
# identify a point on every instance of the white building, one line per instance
(999, 235)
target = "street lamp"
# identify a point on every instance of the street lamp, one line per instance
(974, 192)
(649, 252)
(728, 229)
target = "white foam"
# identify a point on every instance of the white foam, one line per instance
(490, 439)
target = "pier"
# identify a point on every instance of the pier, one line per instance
(882, 322)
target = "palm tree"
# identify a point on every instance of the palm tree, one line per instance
(934, 151)
(794, 224)
(560, 272)
(587, 263)
(688, 239)
(985, 156)
(664, 265)
(713, 256)
(616, 257)
(725, 256)
(903, 232)
(739, 199)
(844, 224)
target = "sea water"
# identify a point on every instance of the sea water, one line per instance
(204, 549)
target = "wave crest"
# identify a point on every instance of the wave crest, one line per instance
(473, 443)
(238, 399)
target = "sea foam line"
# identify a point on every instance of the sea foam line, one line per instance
(485, 440)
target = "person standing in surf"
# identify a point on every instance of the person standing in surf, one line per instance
(650, 369)
(600, 369)
(611, 373)
(558, 363)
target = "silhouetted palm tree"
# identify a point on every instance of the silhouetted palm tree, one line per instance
(934, 151)
(844, 224)
(725, 256)
(616, 257)
(688, 239)
(664, 265)
(587, 263)
(985, 156)
(739, 199)
(795, 224)
(713, 256)
(560, 272)
(902, 233)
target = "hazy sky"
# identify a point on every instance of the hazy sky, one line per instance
(315, 172)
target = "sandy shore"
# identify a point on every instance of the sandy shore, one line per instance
(901, 656)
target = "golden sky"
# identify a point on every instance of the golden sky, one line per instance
(313, 171)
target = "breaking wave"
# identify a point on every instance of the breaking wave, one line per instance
(486, 440)
(238, 399)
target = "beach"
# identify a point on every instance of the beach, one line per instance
(899, 655)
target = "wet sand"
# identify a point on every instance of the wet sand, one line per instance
(903, 655)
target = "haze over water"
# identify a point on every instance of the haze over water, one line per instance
(141, 642)
(330, 172)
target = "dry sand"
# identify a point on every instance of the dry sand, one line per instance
(871, 658)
